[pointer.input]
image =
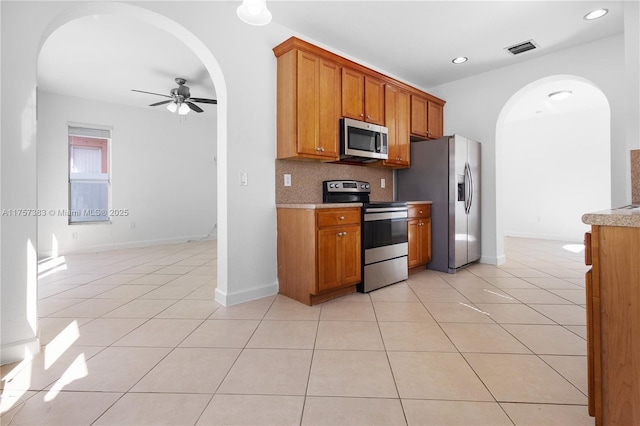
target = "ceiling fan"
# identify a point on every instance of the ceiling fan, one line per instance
(180, 99)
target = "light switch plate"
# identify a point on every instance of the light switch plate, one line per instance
(287, 180)
(383, 183)
(244, 179)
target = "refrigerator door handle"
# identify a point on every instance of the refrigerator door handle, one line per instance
(468, 188)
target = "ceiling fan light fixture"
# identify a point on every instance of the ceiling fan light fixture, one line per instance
(595, 14)
(173, 107)
(254, 12)
(184, 109)
(560, 95)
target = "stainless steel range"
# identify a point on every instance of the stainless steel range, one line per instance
(384, 233)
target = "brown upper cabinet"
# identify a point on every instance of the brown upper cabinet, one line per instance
(316, 88)
(426, 117)
(308, 103)
(362, 97)
(397, 112)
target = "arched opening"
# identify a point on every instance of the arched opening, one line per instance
(552, 159)
(211, 66)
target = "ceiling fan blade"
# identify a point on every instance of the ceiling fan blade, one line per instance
(162, 102)
(204, 101)
(150, 93)
(194, 107)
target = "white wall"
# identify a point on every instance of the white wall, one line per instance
(555, 169)
(474, 105)
(162, 172)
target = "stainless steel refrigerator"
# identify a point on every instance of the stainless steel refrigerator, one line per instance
(447, 172)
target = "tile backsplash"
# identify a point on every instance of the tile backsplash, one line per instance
(307, 177)
(635, 176)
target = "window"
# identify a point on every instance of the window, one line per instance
(88, 174)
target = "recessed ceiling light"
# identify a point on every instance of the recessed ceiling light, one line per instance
(460, 60)
(595, 14)
(560, 95)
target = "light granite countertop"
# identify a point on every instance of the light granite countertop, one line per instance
(333, 205)
(317, 205)
(622, 216)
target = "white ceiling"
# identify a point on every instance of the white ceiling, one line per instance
(103, 57)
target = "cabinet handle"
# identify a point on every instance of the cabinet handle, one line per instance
(341, 234)
(420, 211)
(361, 115)
(322, 149)
(341, 217)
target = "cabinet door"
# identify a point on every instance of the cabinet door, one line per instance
(328, 263)
(434, 120)
(391, 123)
(318, 108)
(397, 120)
(308, 105)
(373, 100)
(350, 256)
(425, 240)
(329, 108)
(419, 125)
(414, 242)
(403, 122)
(352, 94)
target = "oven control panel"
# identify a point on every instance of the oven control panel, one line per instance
(346, 186)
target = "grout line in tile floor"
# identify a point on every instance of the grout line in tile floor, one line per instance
(463, 353)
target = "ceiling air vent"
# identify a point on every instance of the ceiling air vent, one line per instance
(522, 47)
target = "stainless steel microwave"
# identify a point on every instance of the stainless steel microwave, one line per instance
(363, 142)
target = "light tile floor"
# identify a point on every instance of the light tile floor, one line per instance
(135, 337)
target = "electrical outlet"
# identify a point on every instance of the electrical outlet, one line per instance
(132, 225)
(244, 179)
(383, 183)
(287, 180)
(74, 235)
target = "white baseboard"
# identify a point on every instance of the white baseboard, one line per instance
(493, 260)
(253, 293)
(126, 245)
(19, 351)
(552, 237)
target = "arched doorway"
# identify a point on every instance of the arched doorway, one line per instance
(552, 159)
(211, 65)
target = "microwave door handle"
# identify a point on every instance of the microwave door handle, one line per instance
(378, 142)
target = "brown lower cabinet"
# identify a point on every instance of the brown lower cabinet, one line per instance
(613, 324)
(419, 229)
(319, 253)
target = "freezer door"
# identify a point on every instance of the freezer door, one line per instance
(458, 202)
(473, 218)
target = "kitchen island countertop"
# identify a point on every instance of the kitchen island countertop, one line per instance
(628, 216)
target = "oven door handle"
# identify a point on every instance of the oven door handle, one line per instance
(384, 209)
(370, 217)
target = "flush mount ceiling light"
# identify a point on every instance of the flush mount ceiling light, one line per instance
(460, 60)
(560, 95)
(595, 14)
(254, 12)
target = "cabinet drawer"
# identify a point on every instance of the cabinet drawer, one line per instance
(420, 210)
(335, 217)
